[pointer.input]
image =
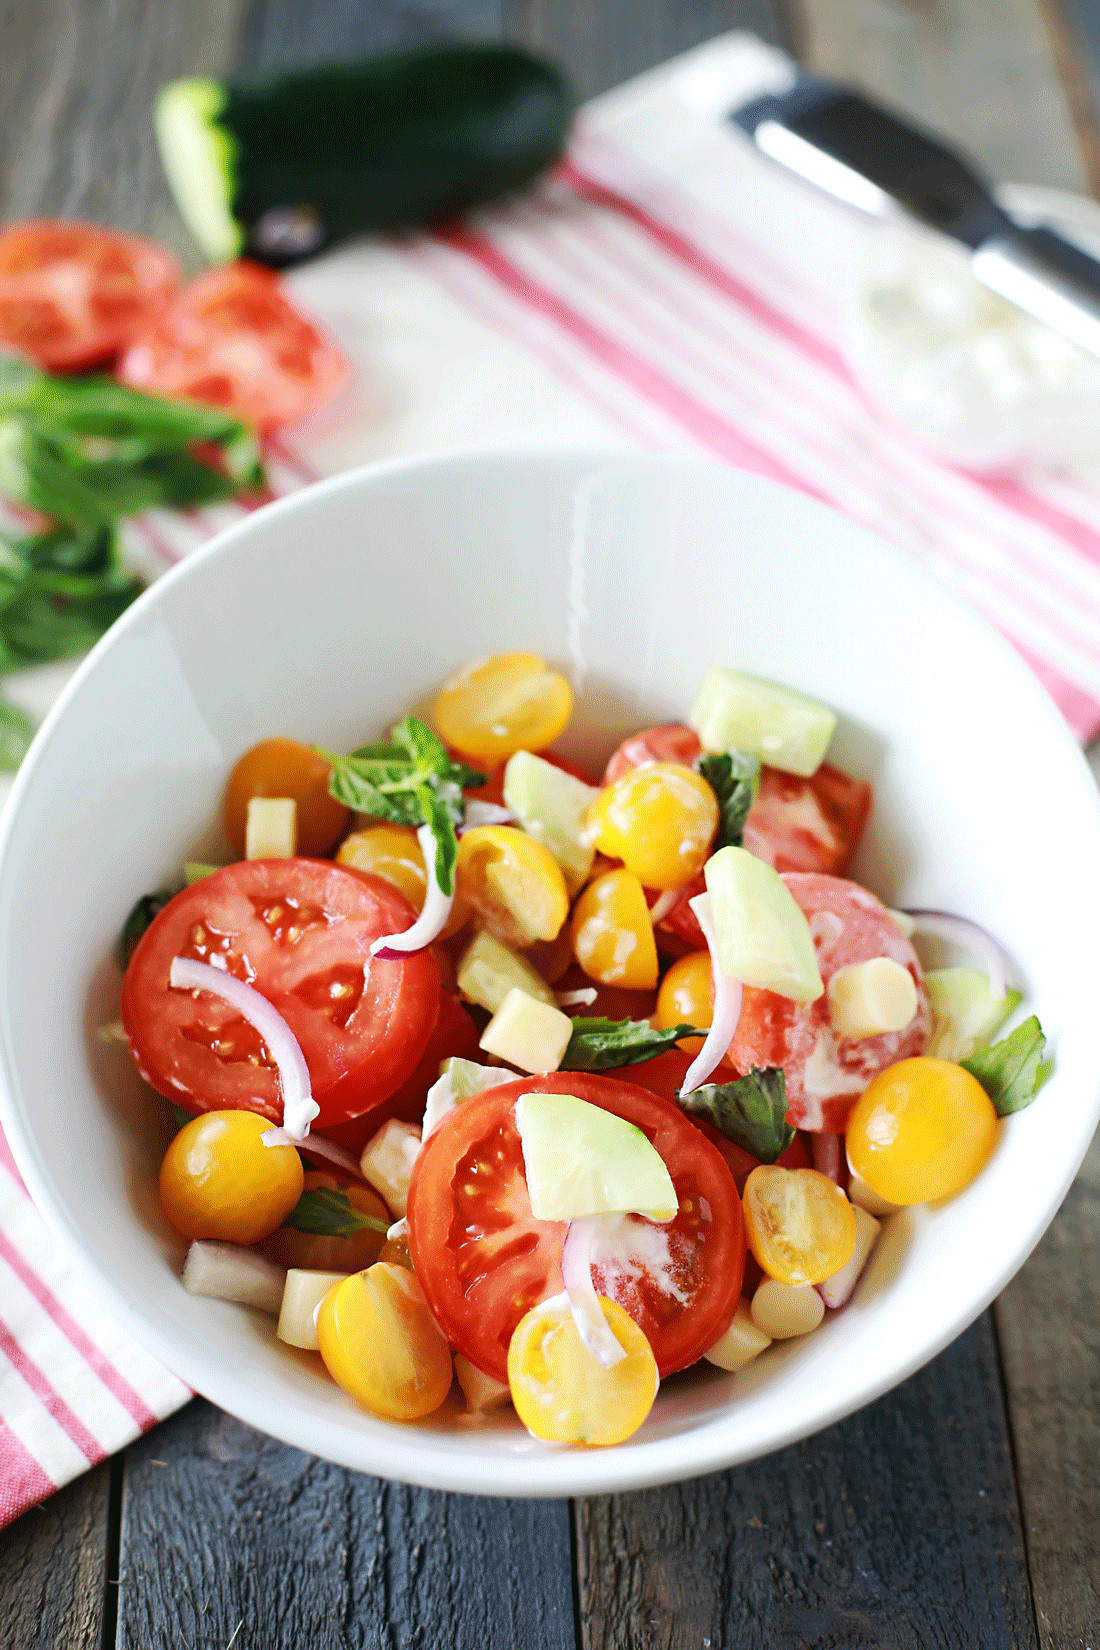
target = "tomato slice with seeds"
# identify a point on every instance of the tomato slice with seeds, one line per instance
(233, 339)
(483, 1260)
(299, 931)
(72, 295)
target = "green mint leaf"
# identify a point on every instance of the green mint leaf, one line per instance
(142, 914)
(599, 1044)
(735, 781)
(1012, 1071)
(328, 1212)
(181, 1117)
(438, 816)
(752, 1111)
(16, 733)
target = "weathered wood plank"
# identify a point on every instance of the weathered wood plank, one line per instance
(896, 1530)
(1049, 1325)
(1074, 28)
(76, 96)
(53, 1569)
(981, 71)
(225, 1531)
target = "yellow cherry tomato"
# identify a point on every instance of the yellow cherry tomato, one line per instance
(219, 1181)
(380, 1343)
(494, 707)
(799, 1224)
(612, 934)
(283, 767)
(921, 1130)
(686, 997)
(561, 1390)
(660, 820)
(313, 1252)
(512, 884)
(393, 853)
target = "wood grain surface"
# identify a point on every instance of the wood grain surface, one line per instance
(901, 1527)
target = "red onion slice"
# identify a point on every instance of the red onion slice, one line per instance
(943, 925)
(432, 919)
(484, 813)
(727, 1005)
(664, 905)
(576, 1270)
(319, 1150)
(299, 1106)
(583, 998)
(828, 1156)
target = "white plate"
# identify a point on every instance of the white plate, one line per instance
(324, 617)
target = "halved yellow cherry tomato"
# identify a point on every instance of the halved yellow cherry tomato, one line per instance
(561, 1390)
(660, 820)
(494, 707)
(686, 997)
(393, 853)
(921, 1130)
(219, 1181)
(284, 767)
(380, 1343)
(799, 1224)
(612, 934)
(512, 883)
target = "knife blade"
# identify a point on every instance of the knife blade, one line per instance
(864, 154)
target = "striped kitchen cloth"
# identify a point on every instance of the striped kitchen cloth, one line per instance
(664, 288)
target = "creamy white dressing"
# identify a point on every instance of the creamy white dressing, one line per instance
(635, 1248)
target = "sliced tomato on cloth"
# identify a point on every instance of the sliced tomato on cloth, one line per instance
(233, 339)
(826, 1074)
(73, 295)
(483, 1260)
(299, 931)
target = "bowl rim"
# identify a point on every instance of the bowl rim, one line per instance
(406, 1453)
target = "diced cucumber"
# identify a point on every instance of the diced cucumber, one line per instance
(967, 1013)
(550, 805)
(488, 969)
(582, 1160)
(195, 870)
(745, 713)
(278, 167)
(763, 937)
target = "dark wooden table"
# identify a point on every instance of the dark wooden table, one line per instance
(964, 1508)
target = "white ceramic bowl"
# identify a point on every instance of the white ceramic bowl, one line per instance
(325, 617)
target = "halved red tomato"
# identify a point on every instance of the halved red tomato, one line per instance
(72, 295)
(299, 931)
(807, 824)
(827, 1074)
(233, 339)
(483, 1260)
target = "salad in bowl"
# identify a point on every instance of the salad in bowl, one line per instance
(697, 1168)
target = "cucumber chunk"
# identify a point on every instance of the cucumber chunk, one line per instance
(763, 937)
(581, 1160)
(745, 713)
(550, 805)
(277, 167)
(967, 1014)
(488, 969)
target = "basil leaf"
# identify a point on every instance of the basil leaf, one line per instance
(751, 1111)
(181, 1117)
(16, 733)
(1012, 1071)
(437, 814)
(735, 781)
(328, 1212)
(599, 1044)
(142, 914)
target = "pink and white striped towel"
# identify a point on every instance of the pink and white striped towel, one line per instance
(664, 288)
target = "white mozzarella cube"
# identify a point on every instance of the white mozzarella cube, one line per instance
(271, 830)
(530, 1035)
(743, 1341)
(872, 997)
(302, 1296)
(784, 1310)
(387, 1162)
(481, 1392)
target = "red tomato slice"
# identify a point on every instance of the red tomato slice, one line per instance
(825, 1074)
(299, 930)
(810, 824)
(483, 1260)
(72, 295)
(233, 339)
(454, 1036)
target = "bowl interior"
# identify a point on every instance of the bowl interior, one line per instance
(326, 617)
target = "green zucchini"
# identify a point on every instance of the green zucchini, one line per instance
(276, 168)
